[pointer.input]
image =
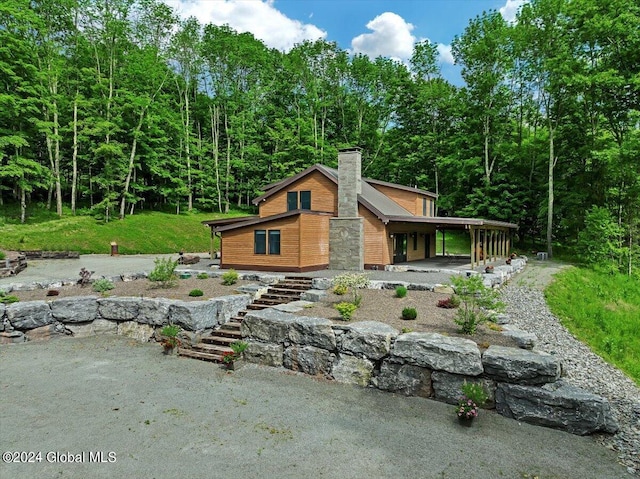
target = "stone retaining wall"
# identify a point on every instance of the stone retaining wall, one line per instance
(139, 318)
(522, 384)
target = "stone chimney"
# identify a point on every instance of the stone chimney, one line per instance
(346, 231)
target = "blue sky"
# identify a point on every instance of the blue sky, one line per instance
(372, 27)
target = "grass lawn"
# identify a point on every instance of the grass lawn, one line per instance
(603, 311)
(143, 233)
(455, 242)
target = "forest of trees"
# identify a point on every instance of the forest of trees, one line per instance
(112, 106)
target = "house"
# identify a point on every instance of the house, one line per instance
(326, 218)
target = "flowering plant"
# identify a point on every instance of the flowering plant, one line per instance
(467, 409)
(228, 357)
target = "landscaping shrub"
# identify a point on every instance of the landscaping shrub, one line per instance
(202, 276)
(409, 313)
(239, 347)
(451, 302)
(352, 282)
(7, 298)
(164, 272)
(102, 285)
(477, 303)
(230, 277)
(407, 330)
(401, 291)
(2, 255)
(195, 293)
(346, 310)
(340, 290)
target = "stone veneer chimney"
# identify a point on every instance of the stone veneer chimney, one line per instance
(346, 231)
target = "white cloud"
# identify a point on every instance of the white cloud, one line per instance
(391, 37)
(510, 9)
(259, 17)
(444, 54)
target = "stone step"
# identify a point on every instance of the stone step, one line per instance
(291, 286)
(238, 319)
(212, 348)
(284, 290)
(199, 355)
(258, 307)
(285, 297)
(232, 325)
(270, 302)
(229, 333)
(219, 339)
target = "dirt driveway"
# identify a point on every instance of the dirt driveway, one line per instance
(150, 416)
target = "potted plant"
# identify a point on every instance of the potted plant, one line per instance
(473, 397)
(234, 359)
(169, 338)
(488, 269)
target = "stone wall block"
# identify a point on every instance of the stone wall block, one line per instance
(99, 326)
(558, 405)
(308, 359)
(448, 387)
(154, 311)
(134, 330)
(29, 315)
(439, 353)
(520, 366)
(352, 370)
(313, 332)
(229, 306)
(370, 339)
(267, 325)
(321, 283)
(80, 309)
(44, 333)
(119, 309)
(404, 379)
(194, 315)
(267, 354)
(314, 295)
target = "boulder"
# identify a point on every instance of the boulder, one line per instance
(352, 370)
(308, 359)
(11, 337)
(404, 379)
(520, 366)
(99, 326)
(29, 315)
(448, 387)
(154, 311)
(381, 284)
(558, 405)
(313, 332)
(254, 290)
(314, 295)
(119, 309)
(420, 287)
(269, 279)
(267, 354)
(267, 325)
(3, 310)
(443, 288)
(370, 339)
(194, 315)
(440, 353)
(134, 330)
(523, 339)
(229, 306)
(321, 283)
(80, 309)
(44, 333)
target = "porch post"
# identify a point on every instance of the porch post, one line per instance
(472, 234)
(443, 241)
(485, 247)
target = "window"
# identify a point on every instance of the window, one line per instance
(274, 242)
(433, 208)
(305, 200)
(260, 242)
(292, 200)
(424, 207)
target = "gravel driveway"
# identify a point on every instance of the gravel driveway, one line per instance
(168, 417)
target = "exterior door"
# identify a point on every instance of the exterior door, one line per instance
(399, 248)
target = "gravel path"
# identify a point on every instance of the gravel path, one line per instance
(529, 311)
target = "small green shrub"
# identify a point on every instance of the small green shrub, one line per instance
(7, 298)
(239, 347)
(477, 303)
(340, 290)
(169, 335)
(2, 255)
(164, 272)
(230, 277)
(352, 282)
(346, 310)
(475, 392)
(407, 330)
(195, 293)
(202, 276)
(401, 291)
(409, 313)
(102, 285)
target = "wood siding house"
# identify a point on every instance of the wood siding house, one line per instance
(293, 228)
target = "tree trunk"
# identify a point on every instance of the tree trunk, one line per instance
(74, 157)
(214, 113)
(228, 173)
(552, 164)
(23, 206)
(187, 139)
(132, 157)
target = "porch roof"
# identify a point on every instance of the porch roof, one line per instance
(256, 220)
(451, 222)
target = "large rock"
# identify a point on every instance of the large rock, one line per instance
(194, 315)
(558, 405)
(12, 337)
(352, 370)
(520, 366)
(80, 309)
(314, 295)
(154, 311)
(97, 327)
(321, 283)
(229, 306)
(267, 325)
(313, 332)
(437, 352)
(267, 354)
(448, 387)
(44, 333)
(523, 339)
(308, 359)
(405, 379)
(29, 315)
(369, 339)
(119, 309)
(134, 330)
(3, 309)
